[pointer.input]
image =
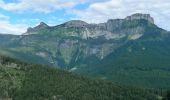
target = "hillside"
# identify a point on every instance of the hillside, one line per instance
(25, 81)
(144, 61)
(130, 51)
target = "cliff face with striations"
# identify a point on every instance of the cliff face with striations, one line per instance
(112, 29)
(140, 16)
(74, 42)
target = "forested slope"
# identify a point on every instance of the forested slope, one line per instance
(25, 81)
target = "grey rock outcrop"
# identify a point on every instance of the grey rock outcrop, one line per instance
(75, 23)
(140, 16)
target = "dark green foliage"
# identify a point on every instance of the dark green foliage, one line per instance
(167, 96)
(143, 63)
(26, 81)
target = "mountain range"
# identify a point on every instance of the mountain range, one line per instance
(132, 51)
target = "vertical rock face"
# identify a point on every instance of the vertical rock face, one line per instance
(140, 16)
(76, 40)
(83, 30)
(114, 24)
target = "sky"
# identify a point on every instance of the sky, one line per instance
(17, 15)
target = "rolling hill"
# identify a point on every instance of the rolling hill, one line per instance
(20, 80)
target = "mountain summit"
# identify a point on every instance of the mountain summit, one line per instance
(139, 16)
(42, 24)
(75, 23)
(34, 30)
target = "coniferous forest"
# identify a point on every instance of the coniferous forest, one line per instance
(26, 81)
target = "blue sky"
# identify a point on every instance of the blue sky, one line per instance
(17, 15)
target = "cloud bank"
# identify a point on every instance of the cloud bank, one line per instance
(110, 9)
(45, 6)
(7, 28)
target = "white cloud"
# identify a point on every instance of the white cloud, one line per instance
(45, 6)
(101, 11)
(7, 28)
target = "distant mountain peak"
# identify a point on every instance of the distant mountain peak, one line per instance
(31, 30)
(140, 16)
(42, 24)
(75, 23)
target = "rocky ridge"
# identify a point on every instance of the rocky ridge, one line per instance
(112, 29)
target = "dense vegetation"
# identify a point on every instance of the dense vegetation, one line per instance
(143, 63)
(167, 96)
(24, 81)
